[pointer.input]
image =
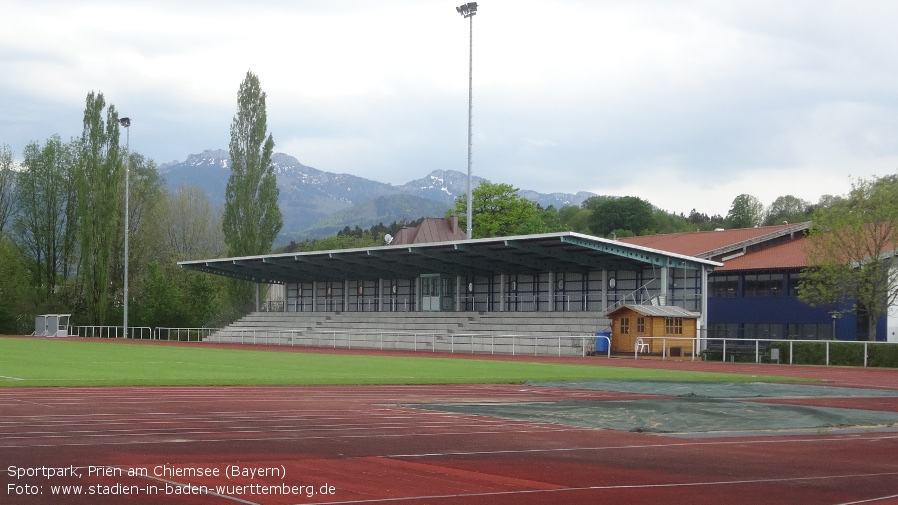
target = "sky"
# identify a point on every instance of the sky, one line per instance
(686, 104)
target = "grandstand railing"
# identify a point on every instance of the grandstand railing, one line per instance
(729, 349)
(468, 343)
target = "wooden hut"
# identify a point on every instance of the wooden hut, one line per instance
(657, 326)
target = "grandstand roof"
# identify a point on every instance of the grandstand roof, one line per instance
(553, 252)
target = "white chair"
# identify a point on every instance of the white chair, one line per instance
(641, 346)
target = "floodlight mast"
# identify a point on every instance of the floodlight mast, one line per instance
(126, 123)
(467, 11)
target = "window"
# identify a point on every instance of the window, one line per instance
(794, 279)
(640, 325)
(763, 330)
(757, 285)
(723, 330)
(673, 325)
(810, 331)
(625, 326)
(723, 286)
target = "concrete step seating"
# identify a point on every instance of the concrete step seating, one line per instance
(424, 331)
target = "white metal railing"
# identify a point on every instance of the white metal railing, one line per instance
(97, 331)
(472, 343)
(468, 343)
(184, 334)
(756, 347)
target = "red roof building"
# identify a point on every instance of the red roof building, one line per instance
(755, 293)
(431, 230)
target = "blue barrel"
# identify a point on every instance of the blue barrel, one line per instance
(601, 342)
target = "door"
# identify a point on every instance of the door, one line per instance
(430, 293)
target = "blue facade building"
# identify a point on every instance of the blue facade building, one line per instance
(755, 293)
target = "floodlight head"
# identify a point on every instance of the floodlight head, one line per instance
(125, 121)
(467, 10)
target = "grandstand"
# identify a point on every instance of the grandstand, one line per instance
(561, 333)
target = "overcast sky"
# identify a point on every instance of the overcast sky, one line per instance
(686, 104)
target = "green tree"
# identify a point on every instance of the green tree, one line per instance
(252, 218)
(668, 222)
(627, 215)
(745, 212)
(99, 203)
(17, 306)
(160, 300)
(851, 255)
(551, 219)
(191, 228)
(45, 225)
(574, 218)
(7, 187)
(788, 209)
(498, 211)
(147, 192)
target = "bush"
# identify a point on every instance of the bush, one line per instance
(883, 355)
(732, 356)
(840, 353)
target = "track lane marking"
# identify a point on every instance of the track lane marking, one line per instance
(615, 487)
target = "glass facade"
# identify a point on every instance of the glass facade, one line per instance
(763, 285)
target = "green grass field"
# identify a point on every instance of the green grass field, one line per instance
(49, 362)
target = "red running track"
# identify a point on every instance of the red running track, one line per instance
(361, 445)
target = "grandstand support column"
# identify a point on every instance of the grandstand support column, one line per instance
(314, 296)
(604, 290)
(664, 286)
(417, 294)
(551, 291)
(346, 295)
(257, 297)
(458, 307)
(380, 294)
(502, 281)
(703, 319)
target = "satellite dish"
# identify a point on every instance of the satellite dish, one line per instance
(388, 238)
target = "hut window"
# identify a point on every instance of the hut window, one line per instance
(625, 325)
(640, 325)
(673, 325)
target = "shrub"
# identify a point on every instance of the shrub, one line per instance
(840, 353)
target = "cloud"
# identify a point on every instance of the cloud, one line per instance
(686, 104)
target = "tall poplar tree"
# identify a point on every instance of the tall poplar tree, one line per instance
(99, 203)
(252, 218)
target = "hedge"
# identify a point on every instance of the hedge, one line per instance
(840, 353)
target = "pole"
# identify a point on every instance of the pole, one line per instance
(470, 218)
(127, 218)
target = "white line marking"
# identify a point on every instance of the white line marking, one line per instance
(645, 446)
(871, 500)
(608, 488)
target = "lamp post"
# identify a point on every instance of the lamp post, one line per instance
(467, 11)
(126, 123)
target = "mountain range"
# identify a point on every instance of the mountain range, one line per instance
(317, 204)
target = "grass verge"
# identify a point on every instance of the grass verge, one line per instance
(65, 363)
